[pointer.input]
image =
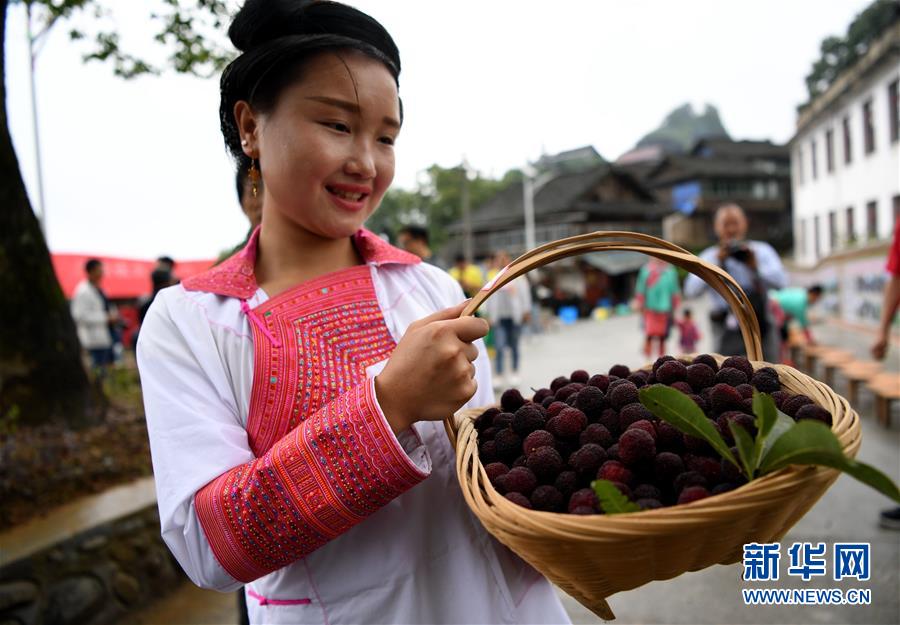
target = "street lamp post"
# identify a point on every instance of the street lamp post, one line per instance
(468, 250)
(529, 173)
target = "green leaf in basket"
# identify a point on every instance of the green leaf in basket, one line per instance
(612, 501)
(766, 420)
(811, 442)
(765, 411)
(783, 423)
(679, 410)
(745, 447)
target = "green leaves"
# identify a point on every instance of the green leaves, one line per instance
(780, 442)
(675, 407)
(813, 443)
(745, 447)
(612, 501)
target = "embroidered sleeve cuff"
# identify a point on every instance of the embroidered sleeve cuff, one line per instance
(334, 470)
(408, 439)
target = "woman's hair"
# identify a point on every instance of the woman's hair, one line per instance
(277, 38)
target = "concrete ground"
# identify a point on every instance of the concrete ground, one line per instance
(848, 512)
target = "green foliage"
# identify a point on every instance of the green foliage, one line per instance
(780, 442)
(675, 407)
(841, 53)
(612, 501)
(436, 202)
(192, 31)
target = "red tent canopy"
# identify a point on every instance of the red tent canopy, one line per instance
(123, 278)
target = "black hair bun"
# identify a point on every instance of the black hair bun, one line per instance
(261, 21)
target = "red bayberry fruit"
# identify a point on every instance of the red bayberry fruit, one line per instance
(623, 394)
(586, 497)
(547, 498)
(636, 445)
(692, 493)
(519, 499)
(671, 371)
(546, 463)
(580, 375)
(537, 439)
(615, 471)
(570, 423)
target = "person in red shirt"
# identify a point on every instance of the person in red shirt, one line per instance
(890, 519)
(891, 297)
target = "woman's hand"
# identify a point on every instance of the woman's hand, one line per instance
(430, 375)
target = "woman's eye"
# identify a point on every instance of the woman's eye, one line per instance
(387, 140)
(340, 127)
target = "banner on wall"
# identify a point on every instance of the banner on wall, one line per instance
(853, 288)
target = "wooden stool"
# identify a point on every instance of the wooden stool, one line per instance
(856, 372)
(886, 388)
(811, 354)
(795, 343)
(831, 360)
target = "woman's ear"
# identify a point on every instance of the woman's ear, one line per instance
(247, 126)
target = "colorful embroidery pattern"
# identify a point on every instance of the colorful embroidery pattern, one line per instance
(328, 331)
(341, 465)
(234, 277)
(326, 457)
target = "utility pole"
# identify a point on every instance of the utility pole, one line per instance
(466, 212)
(528, 202)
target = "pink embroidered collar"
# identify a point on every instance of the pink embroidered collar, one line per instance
(234, 277)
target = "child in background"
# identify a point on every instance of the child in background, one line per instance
(689, 334)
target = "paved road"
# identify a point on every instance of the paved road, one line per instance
(848, 512)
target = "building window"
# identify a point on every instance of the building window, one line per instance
(848, 150)
(894, 109)
(801, 239)
(817, 240)
(850, 228)
(868, 127)
(774, 193)
(872, 220)
(799, 165)
(896, 201)
(812, 149)
(832, 231)
(829, 150)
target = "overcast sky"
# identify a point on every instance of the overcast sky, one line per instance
(138, 168)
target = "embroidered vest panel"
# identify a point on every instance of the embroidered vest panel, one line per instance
(328, 331)
(325, 458)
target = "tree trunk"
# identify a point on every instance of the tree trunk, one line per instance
(42, 378)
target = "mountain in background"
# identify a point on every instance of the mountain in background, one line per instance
(683, 127)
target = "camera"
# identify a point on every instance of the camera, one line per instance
(739, 251)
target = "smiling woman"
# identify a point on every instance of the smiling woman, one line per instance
(294, 392)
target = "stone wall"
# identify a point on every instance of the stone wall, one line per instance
(95, 578)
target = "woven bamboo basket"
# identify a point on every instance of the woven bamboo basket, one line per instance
(593, 557)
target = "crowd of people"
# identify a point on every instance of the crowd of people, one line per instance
(780, 310)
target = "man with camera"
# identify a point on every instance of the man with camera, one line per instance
(755, 266)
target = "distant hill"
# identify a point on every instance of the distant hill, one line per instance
(683, 127)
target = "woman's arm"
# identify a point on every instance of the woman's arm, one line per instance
(228, 516)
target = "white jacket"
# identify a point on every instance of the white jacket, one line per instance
(91, 317)
(512, 301)
(423, 558)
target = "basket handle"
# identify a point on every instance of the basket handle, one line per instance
(717, 278)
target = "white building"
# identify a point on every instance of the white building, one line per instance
(845, 158)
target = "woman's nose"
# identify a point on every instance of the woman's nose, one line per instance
(361, 164)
